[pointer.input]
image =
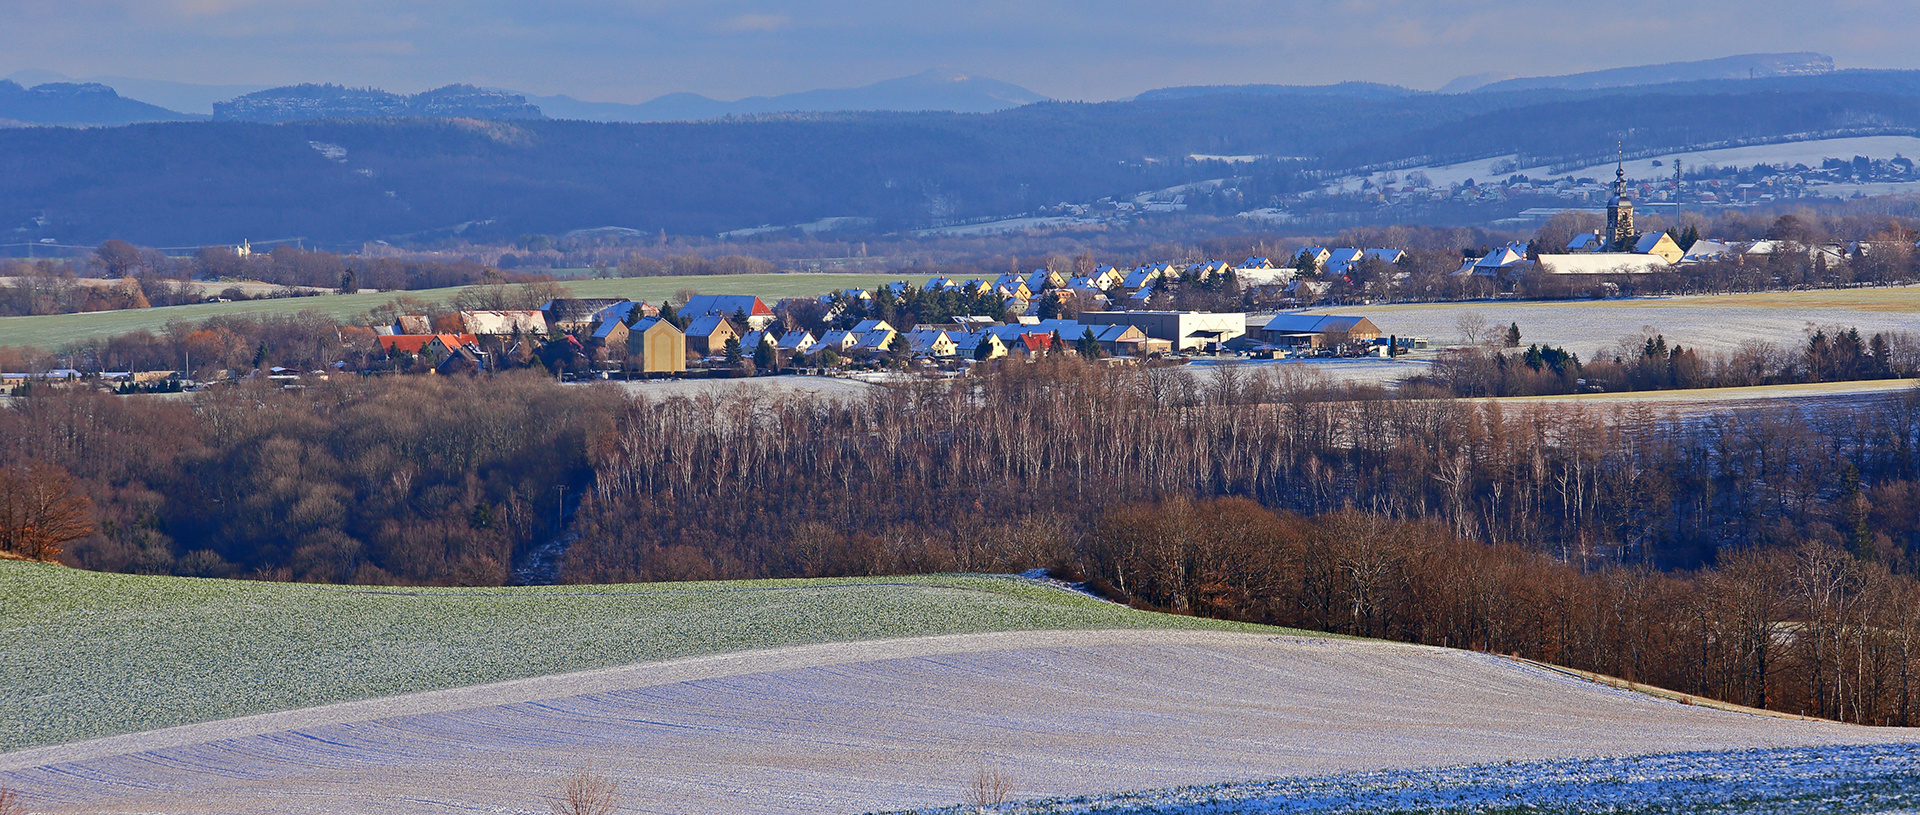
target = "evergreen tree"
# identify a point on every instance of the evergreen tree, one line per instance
(1087, 345)
(732, 351)
(1513, 335)
(763, 355)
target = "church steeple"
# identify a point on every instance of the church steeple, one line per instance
(1620, 233)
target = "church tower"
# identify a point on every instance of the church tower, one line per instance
(1620, 214)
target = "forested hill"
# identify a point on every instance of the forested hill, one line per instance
(345, 181)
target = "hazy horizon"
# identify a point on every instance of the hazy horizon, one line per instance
(602, 50)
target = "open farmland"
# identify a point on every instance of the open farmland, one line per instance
(1717, 323)
(853, 727)
(55, 331)
(121, 653)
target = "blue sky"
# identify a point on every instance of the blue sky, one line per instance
(633, 50)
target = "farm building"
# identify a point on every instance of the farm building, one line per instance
(1318, 330)
(1183, 330)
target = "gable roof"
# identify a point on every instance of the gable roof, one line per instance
(416, 343)
(708, 325)
(726, 305)
(412, 324)
(605, 329)
(1584, 242)
(1312, 324)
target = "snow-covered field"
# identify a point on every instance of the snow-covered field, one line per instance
(1709, 322)
(895, 724)
(1831, 780)
(769, 386)
(1810, 153)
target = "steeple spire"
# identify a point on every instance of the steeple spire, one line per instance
(1620, 232)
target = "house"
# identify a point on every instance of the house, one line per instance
(1140, 278)
(1340, 260)
(1255, 264)
(1318, 330)
(626, 311)
(505, 323)
(610, 336)
(657, 347)
(1658, 243)
(727, 305)
(877, 342)
(461, 360)
(840, 341)
(1182, 330)
(412, 324)
(1030, 344)
(576, 314)
(1319, 255)
(1703, 250)
(1506, 260)
(797, 341)
(966, 345)
(930, 342)
(417, 344)
(1115, 339)
(1585, 242)
(707, 335)
(1044, 279)
(865, 326)
(1387, 256)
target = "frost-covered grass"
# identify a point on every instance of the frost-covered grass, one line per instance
(90, 654)
(1833, 780)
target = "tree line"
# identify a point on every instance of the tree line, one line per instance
(1601, 538)
(1830, 355)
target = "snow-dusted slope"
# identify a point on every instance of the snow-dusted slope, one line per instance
(892, 724)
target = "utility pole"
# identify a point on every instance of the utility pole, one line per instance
(559, 510)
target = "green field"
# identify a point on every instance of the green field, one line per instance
(57, 331)
(91, 654)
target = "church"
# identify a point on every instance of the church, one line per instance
(1620, 249)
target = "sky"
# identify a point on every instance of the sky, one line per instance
(1093, 50)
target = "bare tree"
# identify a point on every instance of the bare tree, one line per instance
(1473, 327)
(39, 511)
(588, 793)
(989, 787)
(10, 802)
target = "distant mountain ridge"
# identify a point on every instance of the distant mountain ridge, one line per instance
(1742, 66)
(1351, 90)
(929, 91)
(71, 103)
(310, 101)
